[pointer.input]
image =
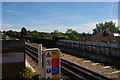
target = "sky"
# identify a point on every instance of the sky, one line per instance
(50, 16)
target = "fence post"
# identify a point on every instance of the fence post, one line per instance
(40, 60)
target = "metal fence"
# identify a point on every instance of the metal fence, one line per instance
(99, 48)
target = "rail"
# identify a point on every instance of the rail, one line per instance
(70, 69)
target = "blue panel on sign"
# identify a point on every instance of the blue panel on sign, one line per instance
(48, 70)
(55, 70)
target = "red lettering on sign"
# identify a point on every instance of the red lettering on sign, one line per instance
(55, 62)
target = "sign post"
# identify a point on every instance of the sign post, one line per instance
(52, 64)
(40, 60)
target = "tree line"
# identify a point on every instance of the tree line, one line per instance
(70, 34)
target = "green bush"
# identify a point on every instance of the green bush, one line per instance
(26, 74)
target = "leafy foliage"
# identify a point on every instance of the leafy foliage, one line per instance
(26, 74)
(23, 31)
(10, 32)
(102, 27)
(37, 34)
(57, 33)
(5, 32)
(71, 34)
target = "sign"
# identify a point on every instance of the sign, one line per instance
(48, 70)
(55, 70)
(48, 54)
(55, 62)
(55, 54)
(56, 77)
(48, 65)
(48, 62)
(52, 64)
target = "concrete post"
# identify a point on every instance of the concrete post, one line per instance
(40, 60)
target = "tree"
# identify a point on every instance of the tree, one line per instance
(67, 38)
(35, 34)
(100, 27)
(4, 32)
(57, 33)
(10, 32)
(83, 34)
(28, 31)
(73, 35)
(69, 31)
(23, 31)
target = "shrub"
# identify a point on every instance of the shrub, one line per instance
(26, 74)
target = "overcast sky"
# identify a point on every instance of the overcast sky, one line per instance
(48, 16)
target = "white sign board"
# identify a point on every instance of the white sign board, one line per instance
(52, 64)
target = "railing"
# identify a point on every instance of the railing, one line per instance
(99, 48)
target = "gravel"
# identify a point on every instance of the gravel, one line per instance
(108, 71)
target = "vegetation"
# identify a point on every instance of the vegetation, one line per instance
(102, 27)
(23, 31)
(70, 34)
(10, 32)
(56, 33)
(35, 34)
(26, 74)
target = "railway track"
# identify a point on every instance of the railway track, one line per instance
(73, 71)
